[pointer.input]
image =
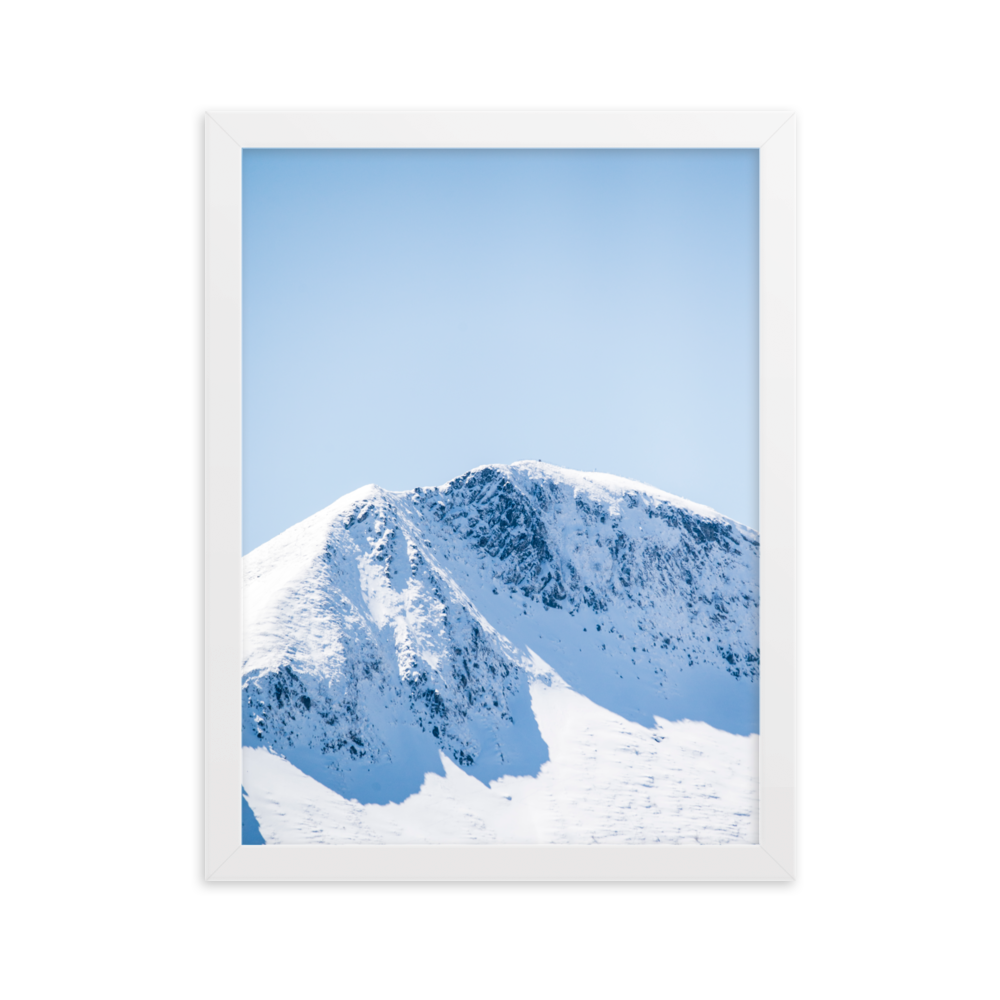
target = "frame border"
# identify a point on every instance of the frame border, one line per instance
(226, 135)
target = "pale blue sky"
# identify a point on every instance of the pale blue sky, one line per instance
(411, 314)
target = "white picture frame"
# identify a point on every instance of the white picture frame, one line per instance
(226, 135)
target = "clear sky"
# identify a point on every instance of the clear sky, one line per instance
(411, 314)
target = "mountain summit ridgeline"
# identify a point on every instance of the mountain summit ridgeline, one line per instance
(391, 627)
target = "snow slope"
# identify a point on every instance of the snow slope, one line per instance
(509, 656)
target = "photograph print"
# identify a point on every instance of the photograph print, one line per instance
(500, 481)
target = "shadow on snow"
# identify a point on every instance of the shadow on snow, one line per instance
(413, 755)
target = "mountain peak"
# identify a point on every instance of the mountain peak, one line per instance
(391, 627)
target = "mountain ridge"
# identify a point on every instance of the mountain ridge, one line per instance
(392, 626)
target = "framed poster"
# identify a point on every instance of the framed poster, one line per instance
(228, 133)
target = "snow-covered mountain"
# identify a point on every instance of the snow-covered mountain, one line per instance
(396, 636)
